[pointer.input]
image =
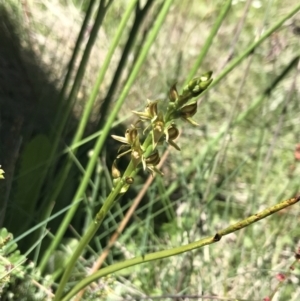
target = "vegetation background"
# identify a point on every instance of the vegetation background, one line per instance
(243, 156)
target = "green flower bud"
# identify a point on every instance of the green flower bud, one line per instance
(198, 84)
(204, 85)
(206, 76)
(191, 85)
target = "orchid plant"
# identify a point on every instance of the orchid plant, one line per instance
(161, 127)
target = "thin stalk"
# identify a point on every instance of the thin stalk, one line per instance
(237, 32)
(87, 237)
(80, 72)
(72, 64)
(83, 122)
(182, 249)
(77, 82)
(165, 200)
(114, 194)
(242, 116)
(140, 15)
(58, 126)
(43, 230)
(102, 72)
(147, 225)
(224, 143)
(251, 48)
(209, 40)
(94, 226)
(101, 140)
(66, 108)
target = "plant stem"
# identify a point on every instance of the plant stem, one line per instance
(71, 65)
(94, 226)
(59, 125)
(251, 48)
(77, 82)
(140, 15)
(178, 250)
(79, 133)
(100, 142)
(67, 107)
(209, 40)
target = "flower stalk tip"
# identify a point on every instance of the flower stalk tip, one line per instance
(198, 84)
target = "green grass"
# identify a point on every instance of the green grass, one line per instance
(239, 161)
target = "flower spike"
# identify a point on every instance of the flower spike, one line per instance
(160, 127)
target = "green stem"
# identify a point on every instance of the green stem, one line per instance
(91, 231)
(79, 133)
(140, 15)
(178, 250)
(77, 81)
(58, 125)
(251, 48)
(209, 40)
(256, 103)
(109, 122)
(94, 226)
(71, 67)
(66, 109)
